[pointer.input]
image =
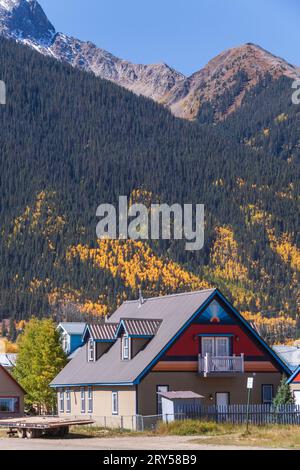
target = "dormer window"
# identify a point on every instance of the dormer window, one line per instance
(126, 348)
(91, 351)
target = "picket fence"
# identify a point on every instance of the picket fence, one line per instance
(259, 415)
(238, 414)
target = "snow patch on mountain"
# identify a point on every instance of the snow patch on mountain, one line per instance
(25, 22)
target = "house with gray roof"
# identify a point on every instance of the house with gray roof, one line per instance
(71, 336)
(196, 342)
(8, 361)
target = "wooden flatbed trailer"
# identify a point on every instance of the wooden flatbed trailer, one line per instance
(38, 426)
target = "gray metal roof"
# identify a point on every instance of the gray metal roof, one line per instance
(180, 395)
(74, 353)
(289, 354)
(173, 311)
(141, 327)
(106, 331)
(73, 328)
(8, 360)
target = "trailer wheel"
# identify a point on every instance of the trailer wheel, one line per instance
(21, 433)
(33, 433)
(63, 431)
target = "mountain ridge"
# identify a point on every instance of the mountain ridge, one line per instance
(80, 141)
(25, 21)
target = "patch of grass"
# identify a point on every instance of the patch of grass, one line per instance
(193, 428)
(287, 437)
(226, 434)
(93, 431)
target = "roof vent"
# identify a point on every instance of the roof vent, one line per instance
(141, 298)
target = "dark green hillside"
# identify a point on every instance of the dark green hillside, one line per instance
(70, 141)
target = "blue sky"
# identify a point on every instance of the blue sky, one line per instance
(185, 34)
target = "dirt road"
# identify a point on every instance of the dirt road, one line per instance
(123, 443)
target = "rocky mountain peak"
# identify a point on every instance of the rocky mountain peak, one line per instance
(246, 64)
(234, 70)
(25, 20)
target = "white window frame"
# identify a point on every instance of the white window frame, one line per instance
(68, 401)
(91, 350)
(90, 400)
(126, 349)
(83, 400)
(65, 343)
(115, 403)
(62, 401)
(214, 340)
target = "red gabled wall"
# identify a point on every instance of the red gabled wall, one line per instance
(296, 379)
(188, 343)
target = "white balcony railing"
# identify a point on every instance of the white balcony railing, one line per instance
(212, 365)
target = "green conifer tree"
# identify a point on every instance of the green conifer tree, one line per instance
(284, 394)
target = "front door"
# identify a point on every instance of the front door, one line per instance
(222, 399)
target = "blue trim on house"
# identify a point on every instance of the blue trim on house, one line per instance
(291, 378)
(84, 333)
(216, 293)
(142, 336)
(125, 384)
(121, 325)
(104, 340)
(219, 335)
(182, 329)
(261, 341)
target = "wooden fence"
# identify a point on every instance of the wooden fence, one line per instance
(237, 414)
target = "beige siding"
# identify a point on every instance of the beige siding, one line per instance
(208, 387)
(9, 389)
(295, 387)
(102, 405)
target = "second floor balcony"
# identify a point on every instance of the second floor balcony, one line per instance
(223, 365)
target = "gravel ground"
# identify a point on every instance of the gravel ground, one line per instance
(118, 443)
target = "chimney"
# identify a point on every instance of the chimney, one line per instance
(141, 298)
